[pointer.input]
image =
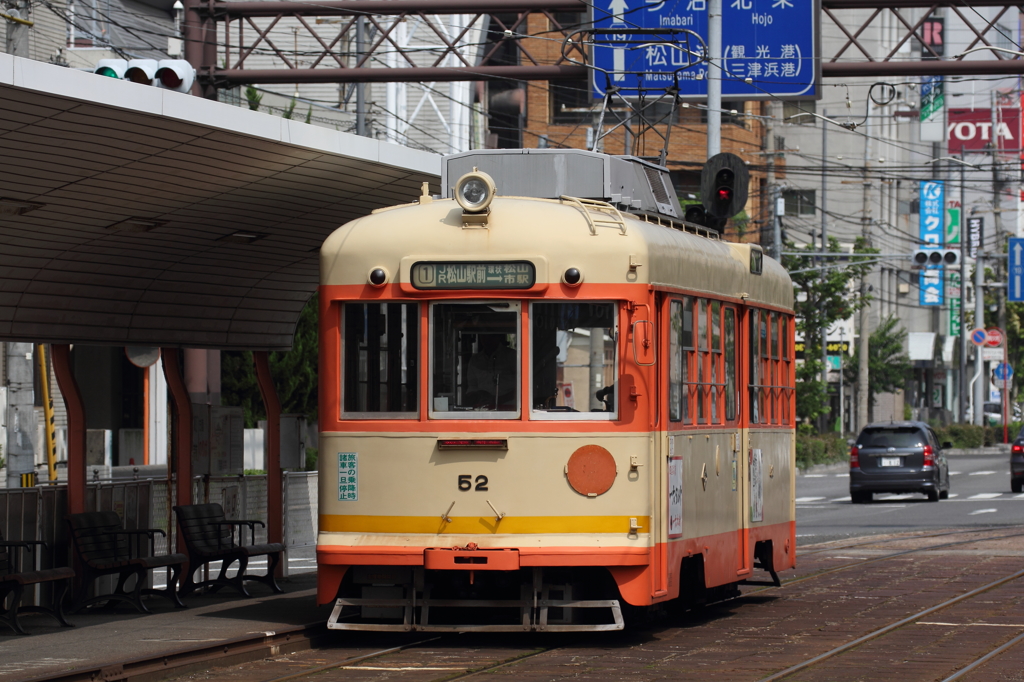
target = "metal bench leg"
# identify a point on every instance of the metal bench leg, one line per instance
(12, 612)
(270, 579)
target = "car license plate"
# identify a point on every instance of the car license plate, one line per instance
(890, 461)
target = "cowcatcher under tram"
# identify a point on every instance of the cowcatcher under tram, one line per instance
(547, 403)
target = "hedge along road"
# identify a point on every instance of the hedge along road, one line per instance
(979, 496)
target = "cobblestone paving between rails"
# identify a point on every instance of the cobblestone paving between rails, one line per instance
(749, 638)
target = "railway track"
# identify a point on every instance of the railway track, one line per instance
(285, 656)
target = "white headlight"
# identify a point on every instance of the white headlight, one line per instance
(474, 191)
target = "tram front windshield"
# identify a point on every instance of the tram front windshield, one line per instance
(475, 363)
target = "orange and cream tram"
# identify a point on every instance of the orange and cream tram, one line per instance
(546, 402)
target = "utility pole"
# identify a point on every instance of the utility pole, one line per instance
(997, 210)
(714, 128)
(865, 333)
(964, 236)
(361, 127)
(17, 28)
(822, 204)
(773, 190)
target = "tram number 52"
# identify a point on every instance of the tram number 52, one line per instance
(466, 482)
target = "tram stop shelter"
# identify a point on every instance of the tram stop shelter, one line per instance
(132, 215)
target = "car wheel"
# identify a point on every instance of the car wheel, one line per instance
(944, 495)
(933, 495)
(1016, 484)
(861, 498)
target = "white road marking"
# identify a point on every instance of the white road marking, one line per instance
(846, 475)
(841, 499)
(952, 495)
(981, 473)
(1018, 497)
(802, 500)
(984, 496)
(983, 511)
(814, 475)
(955, 473)
(889, 496)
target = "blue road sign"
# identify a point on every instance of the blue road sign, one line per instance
(1002, 372)
(772, 43)
(1016, 269)
(978, 337)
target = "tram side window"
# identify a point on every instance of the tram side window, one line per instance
(681, 355)
(574, 361)
(730, 364)
(785, 369)
(475, 360)
(717, 392)
(381, 357)
(702, 354)
(756, 405)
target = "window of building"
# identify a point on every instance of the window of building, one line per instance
(380, 359)
(799, 201)
(475, 363)
(574, 362)
(791, 112)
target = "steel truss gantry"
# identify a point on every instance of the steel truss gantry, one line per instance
(220, 36)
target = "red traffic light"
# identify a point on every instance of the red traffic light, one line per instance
(725, 194)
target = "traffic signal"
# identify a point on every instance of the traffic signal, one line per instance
(169, 74)
(696, 214)
(723, 186)
(112, 68)
(928, 258)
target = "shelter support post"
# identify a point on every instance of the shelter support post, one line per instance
(273, 459)
(182, 430)
(61, 356)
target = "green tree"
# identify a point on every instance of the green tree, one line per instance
(888, 366)
(823, 297)
(295, 374)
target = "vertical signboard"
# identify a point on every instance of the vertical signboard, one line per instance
(932, 197)
(975, 235)
(933, 102)
(954, 304)
(1016, 269)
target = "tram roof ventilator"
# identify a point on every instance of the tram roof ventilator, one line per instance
(632, 184)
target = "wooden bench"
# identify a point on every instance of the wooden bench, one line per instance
(211, 537)
(13, 582)
(106, 548)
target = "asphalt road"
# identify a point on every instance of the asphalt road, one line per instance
(979, 496)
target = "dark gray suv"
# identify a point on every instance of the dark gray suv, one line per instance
(1017, 463)
(898, 457)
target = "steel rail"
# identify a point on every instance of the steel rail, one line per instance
(984, 659)
(836, 569)
(226, 652)
(887, 540)
(889, 628)
(350, 661)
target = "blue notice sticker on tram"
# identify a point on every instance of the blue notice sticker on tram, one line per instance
(348, 476)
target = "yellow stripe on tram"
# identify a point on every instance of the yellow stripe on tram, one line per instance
(339, 523)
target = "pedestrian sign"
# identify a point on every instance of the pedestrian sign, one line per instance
(1002, 375)
(978, 337)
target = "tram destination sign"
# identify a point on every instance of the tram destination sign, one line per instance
(770, 48)
(519, 274)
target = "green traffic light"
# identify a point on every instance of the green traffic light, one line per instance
(106, 71)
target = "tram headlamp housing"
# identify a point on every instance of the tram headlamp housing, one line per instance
(474, 191)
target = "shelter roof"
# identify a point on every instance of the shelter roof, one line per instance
(140, 216)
